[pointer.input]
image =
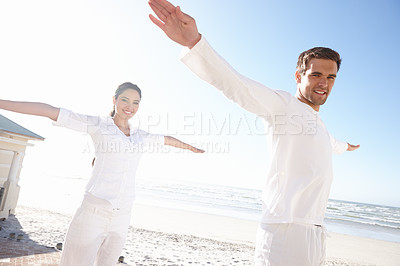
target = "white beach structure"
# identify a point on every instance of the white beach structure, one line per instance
(13, 142)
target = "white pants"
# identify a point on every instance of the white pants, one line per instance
(290, 245)
(96, 235)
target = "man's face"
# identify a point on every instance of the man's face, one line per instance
(315, 85)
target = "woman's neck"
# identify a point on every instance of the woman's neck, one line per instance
(122, 124)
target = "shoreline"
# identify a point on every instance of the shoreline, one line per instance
(343, 248)
(66, 195)
(211, 226)
(162, 236)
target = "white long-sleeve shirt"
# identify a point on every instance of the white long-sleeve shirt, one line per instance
(300, 172)
(117, 155)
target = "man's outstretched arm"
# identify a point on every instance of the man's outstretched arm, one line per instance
(339, 147)
(178, 26)
(210, 66)
(351, 147)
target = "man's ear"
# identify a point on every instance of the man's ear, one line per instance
(297, 77)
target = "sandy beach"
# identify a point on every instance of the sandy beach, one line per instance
(162, 236)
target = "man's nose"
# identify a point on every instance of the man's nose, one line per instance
(323, 82)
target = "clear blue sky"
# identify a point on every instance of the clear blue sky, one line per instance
(75, 53)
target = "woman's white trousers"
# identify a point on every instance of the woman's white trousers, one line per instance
(96, 236)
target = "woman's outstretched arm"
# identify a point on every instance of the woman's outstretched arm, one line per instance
(171, 141)
(31, 108)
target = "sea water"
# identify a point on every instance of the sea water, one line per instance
(353, 218)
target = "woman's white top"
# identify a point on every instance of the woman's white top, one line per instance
(117, 155)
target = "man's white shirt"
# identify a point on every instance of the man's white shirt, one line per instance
(300, 172)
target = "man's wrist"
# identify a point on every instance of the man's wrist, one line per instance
(195, 41)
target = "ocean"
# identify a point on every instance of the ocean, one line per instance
(352, 218)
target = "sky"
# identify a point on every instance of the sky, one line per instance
(74, 54)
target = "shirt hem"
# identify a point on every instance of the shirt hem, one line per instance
(292, 221)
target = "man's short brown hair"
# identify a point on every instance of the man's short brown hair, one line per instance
(317, 52)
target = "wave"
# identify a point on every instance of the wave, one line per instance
(365, 223)
(243, 201)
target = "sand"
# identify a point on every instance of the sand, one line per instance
(162, 236)
(341, 249)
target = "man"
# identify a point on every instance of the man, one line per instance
(300, 174)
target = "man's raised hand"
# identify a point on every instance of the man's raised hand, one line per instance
(177, 25)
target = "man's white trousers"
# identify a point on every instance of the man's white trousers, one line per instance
(289, 244)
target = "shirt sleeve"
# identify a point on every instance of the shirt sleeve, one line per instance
(249, 94)
(78, 122)
(338, 146)
(151, 139)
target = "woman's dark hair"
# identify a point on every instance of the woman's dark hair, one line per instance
(123, 87)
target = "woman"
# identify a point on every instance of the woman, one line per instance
(99, 228)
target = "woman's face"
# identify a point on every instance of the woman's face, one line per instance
(127, 104)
